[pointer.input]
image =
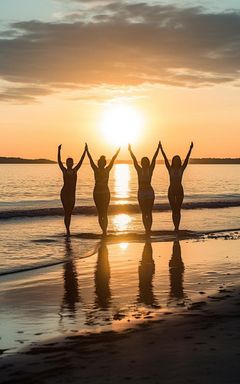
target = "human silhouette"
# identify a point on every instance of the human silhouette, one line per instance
(102, 278)
(71, 290)
(68, 190)
(101, 193)
(175, 190)
(146, 194)
(176, 270)
(146, 272)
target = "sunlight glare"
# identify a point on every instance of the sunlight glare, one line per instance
(121, 182)
(121, 124)
(123, 246)
(121, 222)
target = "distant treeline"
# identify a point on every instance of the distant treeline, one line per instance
(206, 160)
(19, 160)
(215, 161)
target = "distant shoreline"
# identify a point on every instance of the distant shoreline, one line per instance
(205, 160)
(19, 160)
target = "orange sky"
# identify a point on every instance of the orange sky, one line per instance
(208, 116)
(58, 73)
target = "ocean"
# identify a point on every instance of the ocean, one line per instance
(35, 186)
(52, 287)
(32, 230)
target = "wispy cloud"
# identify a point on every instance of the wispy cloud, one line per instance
(23, 94)
(124, 44)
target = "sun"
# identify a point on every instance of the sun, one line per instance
(121, 124)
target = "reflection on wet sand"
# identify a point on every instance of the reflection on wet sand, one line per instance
(102, 300)
(146, 272)
(71, 290)
(102, 278)
(176, 270)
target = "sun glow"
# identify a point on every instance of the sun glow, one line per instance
(122, 222)
(121, 124)
(121, 182)
(123, 246)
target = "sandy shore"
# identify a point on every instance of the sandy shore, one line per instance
(166, 312)
(201, 345)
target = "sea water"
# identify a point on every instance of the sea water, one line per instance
(38, 241)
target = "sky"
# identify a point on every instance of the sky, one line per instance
(67, 65)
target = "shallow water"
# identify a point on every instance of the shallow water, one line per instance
(119, 286)
(34, 242)
(34, 186)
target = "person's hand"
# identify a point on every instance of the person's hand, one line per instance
(129, 147)
(191, 146)
(60, 147)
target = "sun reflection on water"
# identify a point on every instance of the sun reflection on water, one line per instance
(123, 246)
(121, 182)
(122, 222)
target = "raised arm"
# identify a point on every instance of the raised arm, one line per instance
(93, 165)
(136, 165)
(59, 159)
(110, 165)
(77, 167)
(187, 157)
(164, 156)
(153, 163)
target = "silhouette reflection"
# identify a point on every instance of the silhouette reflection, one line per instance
(71, 290)
(176, 270)
(102, 278)
(146, 272)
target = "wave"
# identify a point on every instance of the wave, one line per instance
(31, 268)
(41, 265)
(114, 209)
(112, 238)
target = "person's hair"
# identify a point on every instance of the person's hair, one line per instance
(102, 161)
(176, 161)
(69, 162)
(145, 162)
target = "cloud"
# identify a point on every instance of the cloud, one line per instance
(23, 94)
(125, 44)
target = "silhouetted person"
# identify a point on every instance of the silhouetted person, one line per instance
(175, 190)
(71, 291)
(101, 193)
(176, 270)
(146, 272)
(146, 194)
(68, 191)
(102, 278)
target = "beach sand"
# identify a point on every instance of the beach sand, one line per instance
(181, 325)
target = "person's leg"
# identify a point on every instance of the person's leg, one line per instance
(102, 202)
(141, 202)
(146, 215)
(149, 208)
(172, 202)
(68, 206)
(67, 221)
(145, 220)
(106, 202)
(151, 204)
(178, 205)
(97, 201)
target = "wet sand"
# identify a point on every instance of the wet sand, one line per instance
(164, 314)
(197, 346)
